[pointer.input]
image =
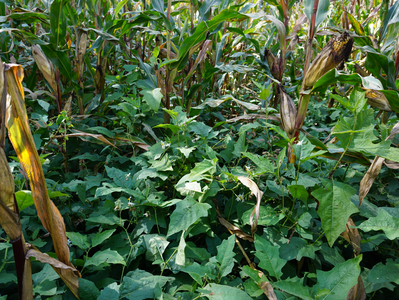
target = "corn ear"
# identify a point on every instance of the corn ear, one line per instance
(288, 112)
(378, 100)
(336, 51)
(45, 66)
(80, 53)
(273, 63)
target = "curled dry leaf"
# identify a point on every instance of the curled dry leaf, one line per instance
(132, 140)
(67, 273)
(258, 194)
(82, 135)
(267, 288)
(369, 178)
(391, 164)
(375, 169)
(357, 292)
(234, 229)
(352, 235)
(251, 117)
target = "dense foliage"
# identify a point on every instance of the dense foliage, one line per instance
(177, 172)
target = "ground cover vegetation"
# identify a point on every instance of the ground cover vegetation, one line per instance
(208, 149)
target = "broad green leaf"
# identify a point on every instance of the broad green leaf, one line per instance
(153, 98)
(263, 163)
(267, 216)
(24, 199)
(80, 240)
(156, 246)
(381, 275)
(299, 192)
(88, 290)
(7, 278)
(101, 237)
(296, 249)
(333, 77)
(355, 103)
(187, 212)
(303, 149)
(120, 178)
(196, 271)
(358, 134)
(322, 11)
(45, 288)
(186, 150)
(201, 171)
(252, 288)
(225, 256)
(377, 62)
(47, 273)
(335, 284)
(110, 292)
(223, 292)
(140, 285)
(295, 287)
(105, 257)
(109, 219)
(164, 164)
(331, 255)
(269, 257)
(199, 254)
(335, 207)
(383, 221)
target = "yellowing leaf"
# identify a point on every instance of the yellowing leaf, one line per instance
(23, 143)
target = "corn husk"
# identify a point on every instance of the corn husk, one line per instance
(273, 63)
(378, 100)
(80, 53)
(288, 112)
(336, 51)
